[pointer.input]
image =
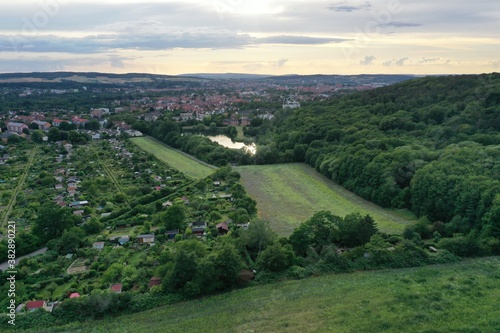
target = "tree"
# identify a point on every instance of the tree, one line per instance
(227, 265)
(320, 230)
(174, 217)
(356, 230)
(214, 216)
(183, 272)
(54, 134)
(93, 226)
(51, 287)
(52, 221)
(275, 258)
(37, 136)
(93, 125)
(257, 237)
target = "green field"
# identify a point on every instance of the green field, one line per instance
(177, 160)
(288, 194)
(460, 297)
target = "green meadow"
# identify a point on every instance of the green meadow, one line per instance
(288, 194)
(174, 158)
(459, 297)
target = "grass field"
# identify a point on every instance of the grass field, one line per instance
(177, 160)
(288, 194)
(460, 297)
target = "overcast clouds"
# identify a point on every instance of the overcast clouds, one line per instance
(273, 36)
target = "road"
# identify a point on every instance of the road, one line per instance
(5, 265)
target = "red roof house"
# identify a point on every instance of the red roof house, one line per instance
(35, 305)
(117, 288)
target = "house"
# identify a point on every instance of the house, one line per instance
(117, 288)
(290, 104)
(79, 121)
(223, 228)
(5, 136)
(42, 125)
(74, 295)
(123, 239)
(172, 233)
(16, 127)
(198, 228)
(149, 238)
(31, 306)
(154, 281)
(58, 122)
(78, 212)
(98, 245)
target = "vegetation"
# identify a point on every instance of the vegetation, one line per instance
(177, 160)
(288, 194)
(459, 297)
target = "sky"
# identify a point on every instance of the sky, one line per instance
(251, 36)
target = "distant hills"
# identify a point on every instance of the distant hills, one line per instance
(154, 79)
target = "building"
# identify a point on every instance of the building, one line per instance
(149, 238)
(16, 127)
(290, 104)
(42, 125)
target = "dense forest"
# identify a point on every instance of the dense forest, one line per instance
(429, 145)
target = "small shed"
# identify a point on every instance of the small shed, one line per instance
(223, 228)
(149, 238)
(172, 233)
(154, 281)
(116, 288)
(98, 245)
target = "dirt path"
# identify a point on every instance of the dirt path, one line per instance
(19, 186)
(5, 265)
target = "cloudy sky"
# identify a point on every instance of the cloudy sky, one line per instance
(251, 36)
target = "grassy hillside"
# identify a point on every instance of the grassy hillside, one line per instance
(189, 166)
(461, 297)
(288, 194)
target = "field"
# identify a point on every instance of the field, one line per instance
(177, 160)
(460, 297)
(288, 194)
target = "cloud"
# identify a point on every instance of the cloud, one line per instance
(400, 25)
(150, 41)
(42, 63)
(345, 7)
(434, 61)
(368, 60)
(395, 62)
(280, 63)
(299, 40)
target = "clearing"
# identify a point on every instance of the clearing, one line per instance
(289, 194)
(188, 165)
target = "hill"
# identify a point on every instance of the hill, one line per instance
(460, 297)
(429, 145)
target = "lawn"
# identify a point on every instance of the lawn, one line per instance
(460, 297)
(288, 194)
(177, 160)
